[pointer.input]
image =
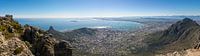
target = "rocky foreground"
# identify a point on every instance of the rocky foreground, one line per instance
(17, 40)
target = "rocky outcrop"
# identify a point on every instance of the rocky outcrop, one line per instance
(30, 34)
(7, 17)
(29, 40)
(63, 48)
(10, 42)
(44, 44)
(13, 46)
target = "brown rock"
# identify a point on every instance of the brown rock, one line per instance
(63, 48)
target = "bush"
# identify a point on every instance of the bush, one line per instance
(16, 26)
(2, 28)
(8, 35)
(18, 50)
(28, 44)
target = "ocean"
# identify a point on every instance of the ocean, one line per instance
(66, 24)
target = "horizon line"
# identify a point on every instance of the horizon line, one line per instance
(92, 16)
(107, 16)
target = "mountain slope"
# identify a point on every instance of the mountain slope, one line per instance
(71, 35)
(10, 43)
(182, 35)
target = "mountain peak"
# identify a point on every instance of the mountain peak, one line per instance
(51, 28)
(184, 24)
(187, 20)
(179, 27)
(176, 30)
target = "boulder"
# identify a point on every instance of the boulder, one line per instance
(10, 29)
(30, 34)
(63, 48)
(44, 46)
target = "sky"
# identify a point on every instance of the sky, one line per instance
(97, 8)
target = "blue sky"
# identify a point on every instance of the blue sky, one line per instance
(97, 8)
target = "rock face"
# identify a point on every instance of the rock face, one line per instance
(43, 44)
(180, 36)
(30, 34)
(62, 49)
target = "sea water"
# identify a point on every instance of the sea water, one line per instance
(62, 24)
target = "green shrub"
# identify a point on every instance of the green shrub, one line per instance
(8, 35)
(28, 44)
(16, 26)
(2, 28)
(18, 50)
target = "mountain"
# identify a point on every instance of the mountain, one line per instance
(71, 35)
(81, 32)
(180, 36)
(17, 40)
(56, 34)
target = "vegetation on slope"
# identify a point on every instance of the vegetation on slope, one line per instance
(179, 36)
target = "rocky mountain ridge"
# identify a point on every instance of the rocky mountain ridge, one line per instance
(183, 35)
